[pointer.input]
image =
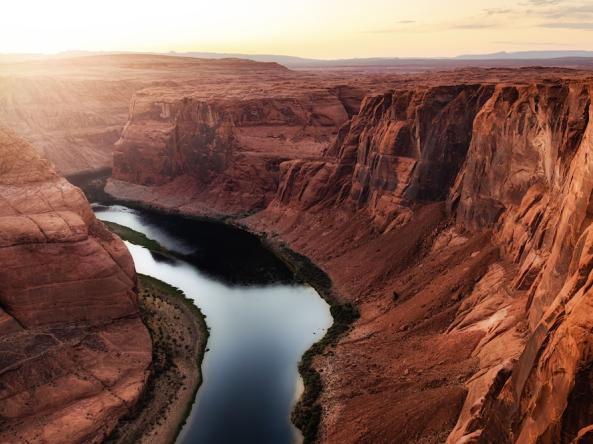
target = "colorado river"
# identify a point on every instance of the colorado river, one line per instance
(261, 322)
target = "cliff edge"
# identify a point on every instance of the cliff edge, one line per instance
(74, 354)
(453, 209)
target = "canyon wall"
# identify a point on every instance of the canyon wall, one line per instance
(223, 155)
(74, 354)
(72, 122)
(73, 109)
(536, 140)
(454, 210)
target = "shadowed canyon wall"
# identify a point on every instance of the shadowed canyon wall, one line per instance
(225, 153)
(454, 210)
(74, 354)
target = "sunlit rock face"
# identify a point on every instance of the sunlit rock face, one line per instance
(529, 177)
(73, 122)
(73, 109)
(454, 209)
(225, 151)
(74, 355)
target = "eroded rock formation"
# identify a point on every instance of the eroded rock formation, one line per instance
(455, 213)
(541, 220)
(224, 153)
(72, 110)
(74, 354)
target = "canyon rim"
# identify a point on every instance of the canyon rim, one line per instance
(395, 250)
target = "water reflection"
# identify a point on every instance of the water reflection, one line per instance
(224, 253)
(258, 333)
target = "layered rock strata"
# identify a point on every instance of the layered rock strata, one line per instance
(73, 109)
(224, 154)
(74, 355)
(456, 214)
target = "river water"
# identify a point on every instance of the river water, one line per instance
(261, 322)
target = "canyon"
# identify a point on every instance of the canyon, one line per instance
(453, 209)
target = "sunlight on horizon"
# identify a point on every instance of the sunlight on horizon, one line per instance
(322, 28)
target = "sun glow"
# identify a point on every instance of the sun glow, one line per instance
(310, 28)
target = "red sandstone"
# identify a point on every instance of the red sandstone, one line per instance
(467, 193)
(74, 354)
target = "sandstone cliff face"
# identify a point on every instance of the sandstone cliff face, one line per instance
(541, 219)
(72, 110)
(224, 152)
(74, 355)
(526, 177)
(526, 180)
(457, 216)
(404, 146)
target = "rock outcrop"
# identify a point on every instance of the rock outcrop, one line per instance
(224, 153)
(72, 110)
(541, 220)
(74, 354)
(455, 213)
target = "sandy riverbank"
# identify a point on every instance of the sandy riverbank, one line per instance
(308, 411)
(179, 336)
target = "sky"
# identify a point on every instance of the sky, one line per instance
(306, 28)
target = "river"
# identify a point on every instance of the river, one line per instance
(261, 321)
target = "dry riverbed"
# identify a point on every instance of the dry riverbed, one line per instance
(179, 336)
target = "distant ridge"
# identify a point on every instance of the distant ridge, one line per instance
(498, 59)
(568, 59)
(525, 55)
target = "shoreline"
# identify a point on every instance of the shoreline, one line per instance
(307, 412)
(179, 333)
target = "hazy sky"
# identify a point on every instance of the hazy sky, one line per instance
(309, 28)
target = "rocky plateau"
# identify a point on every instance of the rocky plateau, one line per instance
(454, 209)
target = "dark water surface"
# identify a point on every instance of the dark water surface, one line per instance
(261, 322)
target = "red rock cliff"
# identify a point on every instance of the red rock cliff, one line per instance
(528, 176)
(74, 354)
(73, 109)
(457, 215)
(223, 152)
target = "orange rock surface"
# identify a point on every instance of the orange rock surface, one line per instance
(72, 110)
(454, 209)
(74, 354)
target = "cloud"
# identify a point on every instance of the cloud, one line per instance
(577, 10)
(570, 11)
(543, 2)
(585, 26)
(473, 26)
(498, 11)
(550, 14)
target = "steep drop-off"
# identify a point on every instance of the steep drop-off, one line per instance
(74, 355)
(456, 214)
(222, 154)
(541, 217)
(73, 109)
